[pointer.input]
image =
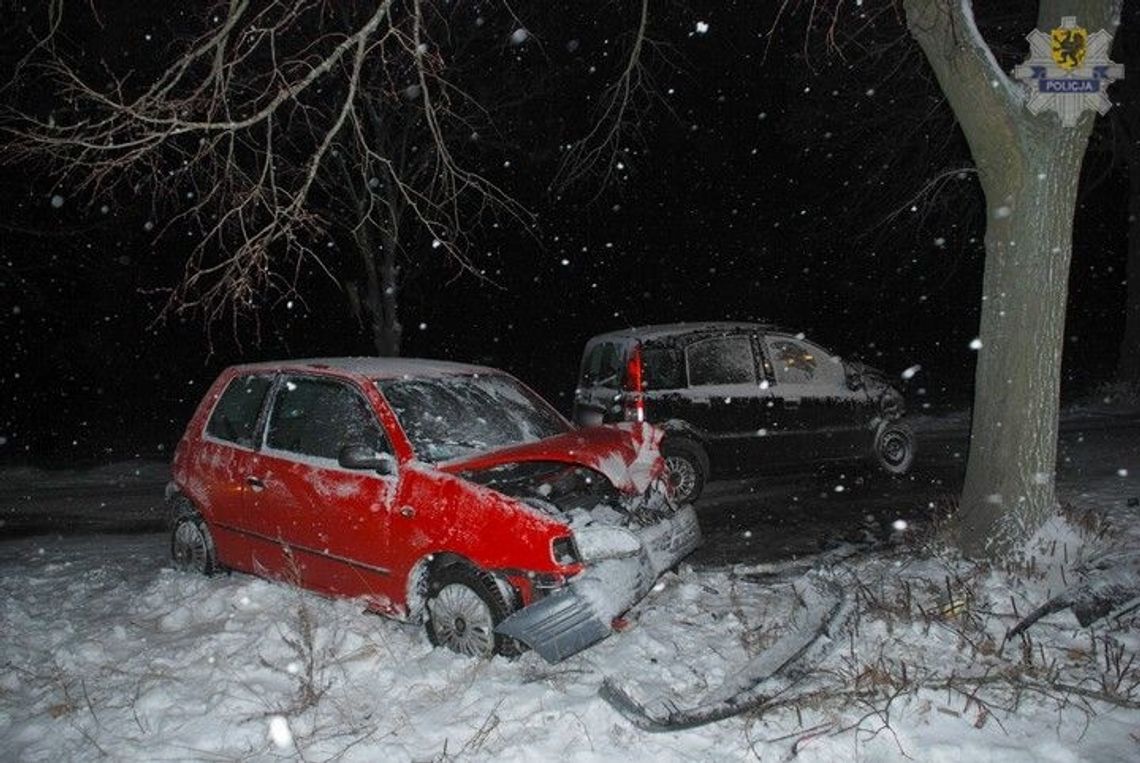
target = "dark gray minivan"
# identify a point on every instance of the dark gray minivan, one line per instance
(736, 398)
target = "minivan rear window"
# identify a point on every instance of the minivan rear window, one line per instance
(602, 366)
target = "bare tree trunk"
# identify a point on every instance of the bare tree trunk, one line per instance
(389, 333)
(1009, 489)
(1029, 168)
(380, 293)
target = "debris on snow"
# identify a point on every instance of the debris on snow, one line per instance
(772, 673)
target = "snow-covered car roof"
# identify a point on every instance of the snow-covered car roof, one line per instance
(373, 367)
(659, 330)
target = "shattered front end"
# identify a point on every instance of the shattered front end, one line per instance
(622, 565)
(607, 488)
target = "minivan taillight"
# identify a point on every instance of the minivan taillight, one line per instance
(633, 401)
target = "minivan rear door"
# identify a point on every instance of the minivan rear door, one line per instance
(726, 398)
(598, 397)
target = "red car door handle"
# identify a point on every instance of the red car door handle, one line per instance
(407, 511)
(254, 482)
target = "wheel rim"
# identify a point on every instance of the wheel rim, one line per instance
(190, 548)
(682, 475)
(462, 621)
(894, 448)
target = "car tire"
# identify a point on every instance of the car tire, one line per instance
(894, 447)
(463, 607)
(687, 466)
(191, 544)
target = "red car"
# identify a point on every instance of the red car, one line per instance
(433, 491)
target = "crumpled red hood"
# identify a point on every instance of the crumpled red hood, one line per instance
(627, 454)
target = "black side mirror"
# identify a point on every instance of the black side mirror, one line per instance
(364, 457)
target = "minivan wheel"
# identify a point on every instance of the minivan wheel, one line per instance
(191, 545)
(463, 607)
(686, 466)
(894, 447)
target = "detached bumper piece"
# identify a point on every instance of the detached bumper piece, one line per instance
(768, 678)
(560, 625)
(580, 615)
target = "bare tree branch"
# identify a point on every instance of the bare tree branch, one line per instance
(248, 135)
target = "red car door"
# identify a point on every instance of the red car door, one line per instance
(324, 526)
(223, 460)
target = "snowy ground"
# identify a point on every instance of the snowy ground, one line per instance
(107, 652)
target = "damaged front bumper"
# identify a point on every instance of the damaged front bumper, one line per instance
(580, 614)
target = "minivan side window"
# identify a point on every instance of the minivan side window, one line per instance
(663, 367)
(318, 417)
(721, 360)
(235, 416)
(803, 363)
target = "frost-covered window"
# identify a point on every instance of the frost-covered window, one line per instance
(449, 416)
(663, 368)
(794, 363)
(721, 360)
(318, 417)
(235, 416)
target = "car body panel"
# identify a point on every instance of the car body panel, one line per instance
(624, 453)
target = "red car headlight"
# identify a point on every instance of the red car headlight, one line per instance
(564, 551)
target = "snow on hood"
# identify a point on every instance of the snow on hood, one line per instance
(627, 454)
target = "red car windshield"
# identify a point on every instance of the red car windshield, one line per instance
(450, 416)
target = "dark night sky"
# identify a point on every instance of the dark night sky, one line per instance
(760, 197)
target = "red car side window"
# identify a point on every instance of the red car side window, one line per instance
(235, 416)
(318, 417)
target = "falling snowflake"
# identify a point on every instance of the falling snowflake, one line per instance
(899, 525)
(702, 27)
(975, 344)
(910, 372)
(279, 731)
(519, 36)
(56, 201)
